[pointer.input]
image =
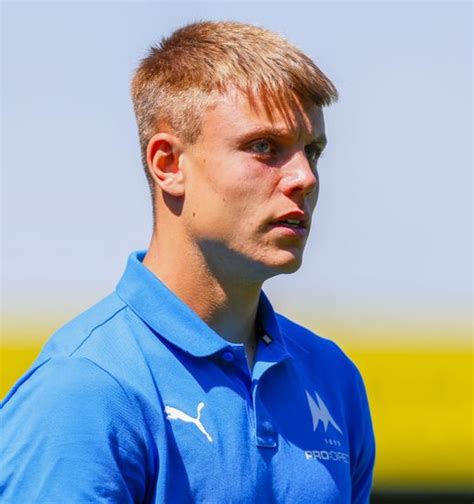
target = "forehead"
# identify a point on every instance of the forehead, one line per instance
(233, 114)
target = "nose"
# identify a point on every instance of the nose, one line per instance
(299, 176)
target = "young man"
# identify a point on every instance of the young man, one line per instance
(184, 385)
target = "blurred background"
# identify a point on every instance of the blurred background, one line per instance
(387, 271)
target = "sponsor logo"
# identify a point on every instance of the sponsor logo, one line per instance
(176, 414)
(323, 455)
(320, 413)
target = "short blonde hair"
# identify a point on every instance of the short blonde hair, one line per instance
(178, 80)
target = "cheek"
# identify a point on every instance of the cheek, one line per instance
(230, 191)
(251, 191)
(241, 183)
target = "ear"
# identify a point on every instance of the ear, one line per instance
(163, 153)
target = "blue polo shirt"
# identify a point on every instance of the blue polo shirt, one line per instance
(137, 400)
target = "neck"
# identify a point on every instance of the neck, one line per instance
(225, 302)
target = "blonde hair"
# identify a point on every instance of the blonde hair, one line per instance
(178, 80)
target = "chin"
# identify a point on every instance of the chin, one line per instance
(291, 267)
(285, 263)
(272, 262)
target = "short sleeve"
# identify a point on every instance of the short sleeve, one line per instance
(362, 473)
(70, 434)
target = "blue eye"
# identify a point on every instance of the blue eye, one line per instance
(262, 147)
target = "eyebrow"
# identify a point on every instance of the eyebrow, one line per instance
(271, 131)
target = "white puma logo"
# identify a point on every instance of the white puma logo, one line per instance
(176, 414)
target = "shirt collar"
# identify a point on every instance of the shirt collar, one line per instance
(174, 320)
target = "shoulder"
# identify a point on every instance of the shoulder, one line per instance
(305, 344)
(72, 398)
(67, 385)
(75, 333)
(95, 348)
(321, 357)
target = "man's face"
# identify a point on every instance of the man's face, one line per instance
(246, 177)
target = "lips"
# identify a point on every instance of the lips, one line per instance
(291, 225)
(294, 220)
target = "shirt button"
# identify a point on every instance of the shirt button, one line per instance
(228, 356)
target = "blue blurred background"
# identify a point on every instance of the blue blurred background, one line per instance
(387, 271)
